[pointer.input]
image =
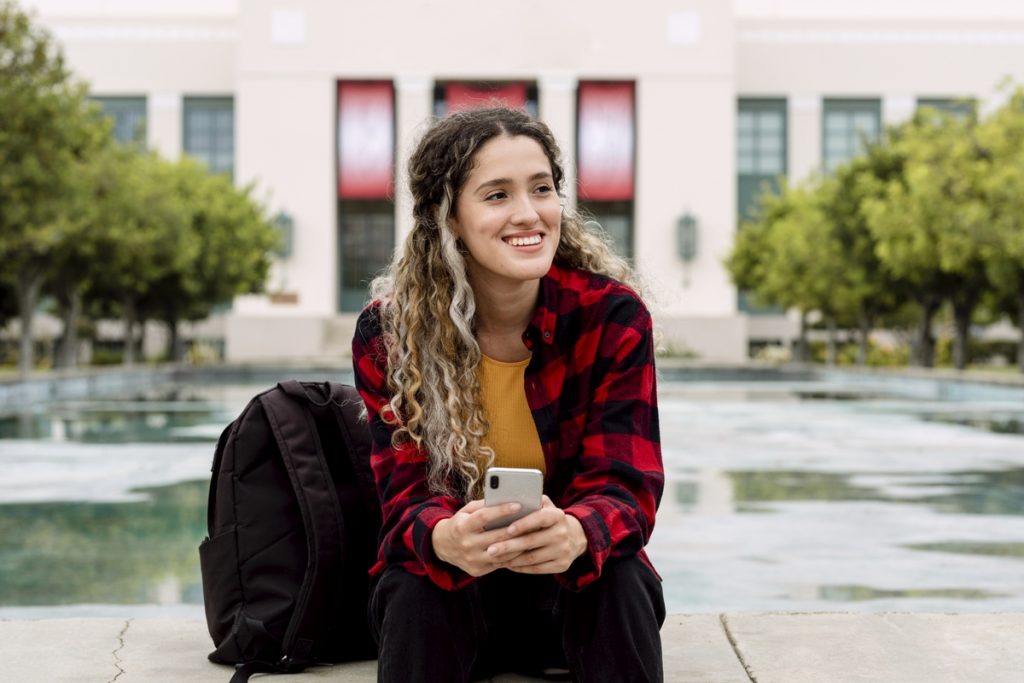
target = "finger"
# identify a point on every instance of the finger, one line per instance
(505, 549)
(540, 519)
(551, 567)
(545, 502)
(471, 507)
(485, 515)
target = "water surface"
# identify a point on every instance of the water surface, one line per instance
(811, 495)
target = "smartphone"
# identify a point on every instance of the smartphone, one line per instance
(512, 485)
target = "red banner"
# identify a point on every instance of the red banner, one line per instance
(366, 139)
(461, 96)
(605, 141)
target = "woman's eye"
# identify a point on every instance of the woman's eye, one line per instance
(543, 189)
(495, 195)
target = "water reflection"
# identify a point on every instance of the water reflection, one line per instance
(854, 593)
(112, 553)
(975, 493)
(172, 415)
(1008, 550)
(998, 424)
(785, 485)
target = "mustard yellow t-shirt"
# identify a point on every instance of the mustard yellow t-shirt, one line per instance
(513, 433)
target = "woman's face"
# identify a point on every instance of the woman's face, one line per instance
(508, 213)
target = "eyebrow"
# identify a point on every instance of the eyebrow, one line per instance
(543, 175)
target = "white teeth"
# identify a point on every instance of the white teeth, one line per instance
(524, 241)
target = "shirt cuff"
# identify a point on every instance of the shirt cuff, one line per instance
(587, 567)
(444, 575)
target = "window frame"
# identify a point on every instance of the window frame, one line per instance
(848, 106)
(212, 104)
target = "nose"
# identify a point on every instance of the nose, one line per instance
(524, 212)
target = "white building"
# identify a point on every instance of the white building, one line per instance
(664, 108)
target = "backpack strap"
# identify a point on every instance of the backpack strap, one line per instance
(355, 430)
(347, 407)
(297, 438)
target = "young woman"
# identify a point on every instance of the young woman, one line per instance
(505, 335)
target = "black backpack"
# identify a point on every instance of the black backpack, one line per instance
(293, 520)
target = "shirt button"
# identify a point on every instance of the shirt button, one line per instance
(547, 335)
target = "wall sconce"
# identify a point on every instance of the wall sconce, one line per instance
(686, 237)
(285, 226)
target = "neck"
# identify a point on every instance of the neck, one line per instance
(502, 311)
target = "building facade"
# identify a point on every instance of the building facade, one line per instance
(672, 115)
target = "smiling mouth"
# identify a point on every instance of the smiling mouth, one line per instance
(524, 241)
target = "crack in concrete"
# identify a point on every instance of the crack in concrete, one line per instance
(120, 646)
(736, 648)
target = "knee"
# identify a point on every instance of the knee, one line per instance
(632, 575)
(414, 603)
(628, 585)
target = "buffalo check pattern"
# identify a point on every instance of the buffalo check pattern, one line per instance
(591, 387)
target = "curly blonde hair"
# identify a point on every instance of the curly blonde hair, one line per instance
(427, 305)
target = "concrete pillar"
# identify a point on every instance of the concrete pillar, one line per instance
(804, 136)
(164, 123)
(414, 104)
(557, 95)
(897, 108)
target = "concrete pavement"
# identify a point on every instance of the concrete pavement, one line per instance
(728, 648)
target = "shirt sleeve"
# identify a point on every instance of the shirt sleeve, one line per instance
(617, 485)
(410, 512)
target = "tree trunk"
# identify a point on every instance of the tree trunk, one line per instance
(27, 289)
(830, 347)
(129, 332)
(71, 311)
(1020, 326)
(175, 347)
(864, 339)
(962, 312)
(801, 342)
(924, 344)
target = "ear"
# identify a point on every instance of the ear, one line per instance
(455, 227)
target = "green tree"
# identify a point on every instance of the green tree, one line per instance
(144, 235)
(231, 242)
(1003, 136)
(47, 124)
(786, 257)
(869, 288)
(81, 252)
(933, 225)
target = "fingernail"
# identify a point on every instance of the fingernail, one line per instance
(493, 550)
(514, 507)
(512, 529)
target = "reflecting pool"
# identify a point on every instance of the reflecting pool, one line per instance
(838, 494)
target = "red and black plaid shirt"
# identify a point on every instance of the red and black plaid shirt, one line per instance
(591, 387)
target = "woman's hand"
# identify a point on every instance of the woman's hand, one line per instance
(462, 541)
(544, 542)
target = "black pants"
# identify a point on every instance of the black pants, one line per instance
(508, 622)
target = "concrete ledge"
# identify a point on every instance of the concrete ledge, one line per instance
(728, 648)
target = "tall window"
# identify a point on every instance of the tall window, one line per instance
(458, 95)
(761, 160)
(847, 125)
(366, 238)
(129, 116)
(761, 142)
(210, 132)
(366, 168)
(958, 107)
(605, 157)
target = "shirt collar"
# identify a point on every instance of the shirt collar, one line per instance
(542, 327)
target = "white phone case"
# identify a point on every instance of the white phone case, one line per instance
(513, 484)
